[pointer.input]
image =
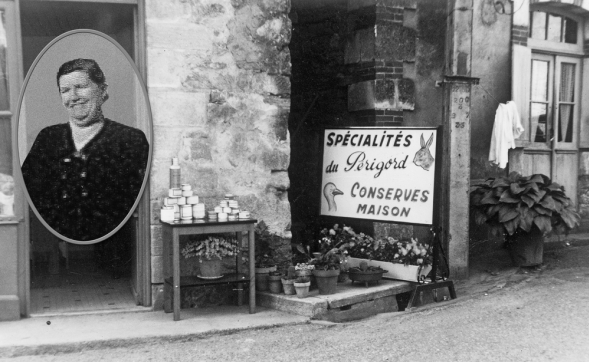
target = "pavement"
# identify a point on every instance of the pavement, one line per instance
(490, 272)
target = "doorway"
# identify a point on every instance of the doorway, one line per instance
(65, 277)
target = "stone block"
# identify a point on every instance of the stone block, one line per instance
(406, 99)
(179, 108)
(157, 248)
(583, 163)
(308, 307)
(357, 4)
(395, 42)
(157, 269)
(182, 36)
(157, 296)
(279, 180)
(385, 94)
(277, 85)
(360, 310)
(169, 10)
(361, 96)
(360, 46)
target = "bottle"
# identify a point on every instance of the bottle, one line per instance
(175, 174)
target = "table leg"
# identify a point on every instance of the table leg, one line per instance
(239, 239)
(166, 240)
(252, 273)
(176, 271)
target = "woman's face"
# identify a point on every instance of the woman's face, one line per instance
(81, 97)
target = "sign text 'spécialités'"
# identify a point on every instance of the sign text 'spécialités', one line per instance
(382, 174)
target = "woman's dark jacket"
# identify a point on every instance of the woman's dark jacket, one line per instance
(84, 195)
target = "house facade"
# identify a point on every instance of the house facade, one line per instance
(240, 91)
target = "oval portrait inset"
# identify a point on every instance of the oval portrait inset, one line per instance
(84, 136)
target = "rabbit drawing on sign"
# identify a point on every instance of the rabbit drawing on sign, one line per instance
(423, 157)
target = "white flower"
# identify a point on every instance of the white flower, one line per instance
(396, 256)
(331, 232)
(419, 261)
(423, 252)
(404, 251)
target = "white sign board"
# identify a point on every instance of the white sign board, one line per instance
(384, 174)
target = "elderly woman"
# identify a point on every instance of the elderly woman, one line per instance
(84, 176)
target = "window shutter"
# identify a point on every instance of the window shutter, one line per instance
(521, 63)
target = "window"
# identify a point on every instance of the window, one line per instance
(553, 28)
(554, 101)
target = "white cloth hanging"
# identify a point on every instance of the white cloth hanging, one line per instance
(506, 129)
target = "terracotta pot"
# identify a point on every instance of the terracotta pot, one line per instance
(262, 278)
(326, 280)
(288, 286)
(275, 284)
(526, 249)
(302, 289)
(210, 268)
(366, 276)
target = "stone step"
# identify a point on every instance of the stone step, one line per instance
(350, 302)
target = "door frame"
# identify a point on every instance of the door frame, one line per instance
(143, 235)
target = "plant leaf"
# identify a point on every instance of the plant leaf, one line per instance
(480, 218)
(526, 222)
(542, 210)
(500, 182)
(489, 200)
(492, 210)
(554, 187)
(548, 202)
(512, 225)
(543, 223)
(515, 188)
(528, 200)
(507, 197)
(507, 212)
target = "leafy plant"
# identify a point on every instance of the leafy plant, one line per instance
(331, 260)
(408, 252)
(265, 241)
(210, 248)
(515, 204)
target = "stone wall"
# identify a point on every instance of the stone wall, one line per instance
(218, 80)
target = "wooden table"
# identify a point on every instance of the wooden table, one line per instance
(171, 244)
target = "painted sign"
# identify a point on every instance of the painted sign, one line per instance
(384, 174)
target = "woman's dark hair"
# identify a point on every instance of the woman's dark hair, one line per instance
(85, 65)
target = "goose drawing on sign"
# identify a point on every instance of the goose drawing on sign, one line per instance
(330, 191)
(423, 158)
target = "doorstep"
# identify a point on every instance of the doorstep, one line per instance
(350, 302)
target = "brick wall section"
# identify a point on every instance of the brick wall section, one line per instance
(519, 35)
(218, 80)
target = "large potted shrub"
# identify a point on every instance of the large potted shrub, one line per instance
(524, 209)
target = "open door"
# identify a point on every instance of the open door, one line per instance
(41, 22)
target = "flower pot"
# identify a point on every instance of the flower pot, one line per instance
(275, 284)
(210, 268)
(316, 255)
(302, 289)
(343, 277)
(368, 276)
(262, 278)
(326, 280)
(526, 249)
(288, 286)
(410, 273)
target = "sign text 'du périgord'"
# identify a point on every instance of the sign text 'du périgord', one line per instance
(384, 174)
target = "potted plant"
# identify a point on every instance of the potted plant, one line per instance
(264, 262)
(302, 285)
(524, 209)
(407, 260)
(326, 271)
(288, 281)
(304, 269)
(275, 282)
(210, 252)
(365, 273)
